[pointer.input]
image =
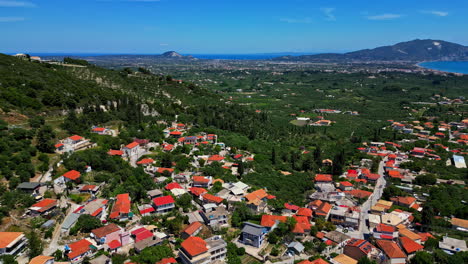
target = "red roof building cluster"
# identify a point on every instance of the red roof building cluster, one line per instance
(323, 178)
(194, 246)
(163, 200)
(72, 175)
(121, 206)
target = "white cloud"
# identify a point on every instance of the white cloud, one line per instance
(306, 20)
(436, 13)
(384, 17)
(16, 4)
(328, 12)
(11, 19)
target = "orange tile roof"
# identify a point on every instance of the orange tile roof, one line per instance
(132, 145)
(76, 137)
(192, 228)
(409, 245)
(394, 174)
(270, 220)
(410, 234)
(391, 249)
(8, 237)
(359, 193)
(114, 152)
(211, 198)
(40, 259)
(146, 161)
(323, 178)
(302, 224)
(200, 179)
(162, 170)
(304, 212)
(78, 248)
(105, 230)
(194, 246)
(425, 236)
(72, 175)
(459, 222)
(256, 195)
(121, 206)
(324, 209)
(197, 191)
(167, 261)
(45, 204)
(216, 158)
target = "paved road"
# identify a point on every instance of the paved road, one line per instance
(53, 245)
(376, 195)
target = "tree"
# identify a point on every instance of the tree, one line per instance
(151, 255)
(10, 259)
(184, 201)
(35, 245)
(426, 179)
(422, 257)
(45, 135)
(85, 224)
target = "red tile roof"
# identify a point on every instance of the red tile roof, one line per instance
(175, 133)
(163, 200)
(391, 249)
(76, 137)
(6, 238)
(99, 129)
(270, 220)
(409, 245)
(211, 198)
(45, 204)
(194, 246)
(147, 210)
(395, 174)
(173, 185)
(346, 184)
(197, 191)
(363, 245)
(114, 152)
(132, 145)
(304, 212)
(323, 178)
(121, 206)
(105, 230)
(114, 244)
(72, 175)
(141, 234)
(359, 193)
(302, 225)
(216, 158)
(146, 161)
(291, 207)
(385, 228)
(78, 248)
(167, 261)
(162, 170)
(88, 187)
(58, 145)
(200, 179)
(192, 228)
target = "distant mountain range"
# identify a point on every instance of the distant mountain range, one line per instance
(412, 51)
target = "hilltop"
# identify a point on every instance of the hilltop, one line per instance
(414, 51)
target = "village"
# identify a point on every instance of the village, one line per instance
(345, 217)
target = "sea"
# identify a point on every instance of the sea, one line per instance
(252, 56)
(446, 66)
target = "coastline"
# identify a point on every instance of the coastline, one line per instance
(439, 70)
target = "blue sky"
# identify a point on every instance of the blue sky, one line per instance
(224, 26)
